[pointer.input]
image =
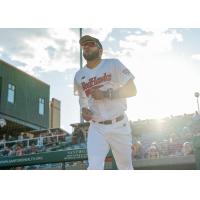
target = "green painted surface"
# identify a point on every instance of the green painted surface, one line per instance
(28, 90)
(50, 157)
(42, 158)
(196, 147)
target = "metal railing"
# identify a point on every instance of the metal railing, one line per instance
(42, 141)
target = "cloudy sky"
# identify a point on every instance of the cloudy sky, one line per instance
(165, 63)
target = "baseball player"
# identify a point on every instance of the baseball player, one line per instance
(103, 86)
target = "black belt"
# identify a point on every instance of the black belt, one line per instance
(117, 119)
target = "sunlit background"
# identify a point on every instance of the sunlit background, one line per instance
(165, 63)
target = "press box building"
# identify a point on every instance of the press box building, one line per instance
(24, 100)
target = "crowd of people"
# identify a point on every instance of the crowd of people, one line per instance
(173, 137)
(24, 144)
(169, 137)
(161, 149)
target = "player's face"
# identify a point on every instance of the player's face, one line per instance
(90, 51)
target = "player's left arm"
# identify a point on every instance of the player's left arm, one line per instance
(126, 82)
(128, 90)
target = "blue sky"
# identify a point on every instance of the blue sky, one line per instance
(165, 63)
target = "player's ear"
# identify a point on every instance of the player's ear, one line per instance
(100, 52)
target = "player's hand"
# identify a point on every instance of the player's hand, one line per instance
(97, 94)
(87, 114)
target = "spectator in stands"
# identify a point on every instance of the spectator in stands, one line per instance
(74, 139)
(186, 134)
(68, 139)
(187, 148)
(25, 136)
(33, 149)
(12, 151)
(137, 150)
(19, 150)
(80, 135)
(49, 133)
(195, 124)
(40, 141)
(27, 150)
(133, 147)
(153, 152)
(164, 148)
(2, 142)
(196, 116)
(6, 151)
(172, 147)
(20, 137)
(11, 138)
(47, 141)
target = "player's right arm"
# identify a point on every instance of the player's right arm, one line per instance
(83, 100)
(87, 114)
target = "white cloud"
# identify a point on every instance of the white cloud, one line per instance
(110, 38)
(110, 53)
(70, 86)
(196, 56)
(132, 41)
(46, 49)
(140, 50)
(100, 33)
(54, 49)
(63, 34)
(138, 32)
(159, 41)
(155, 30)
(153, 62)
(1, 50)
(149, 45)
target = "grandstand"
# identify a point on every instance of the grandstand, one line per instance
(166, 144)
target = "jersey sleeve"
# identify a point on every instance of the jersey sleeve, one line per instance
(122, 73)
(78, 91)
(77, 87)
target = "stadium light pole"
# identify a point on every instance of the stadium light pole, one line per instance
(81, 60)
(81, 65)
(196, 94)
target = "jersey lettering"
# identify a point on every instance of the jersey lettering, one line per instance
(94, 83)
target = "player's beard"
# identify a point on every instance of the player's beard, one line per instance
(91, 55)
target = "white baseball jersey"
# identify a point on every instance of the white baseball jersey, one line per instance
(110, 73)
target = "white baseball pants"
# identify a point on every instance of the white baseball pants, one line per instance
(102, 137)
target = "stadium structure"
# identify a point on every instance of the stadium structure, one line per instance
(24, 100)
(31, 137)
